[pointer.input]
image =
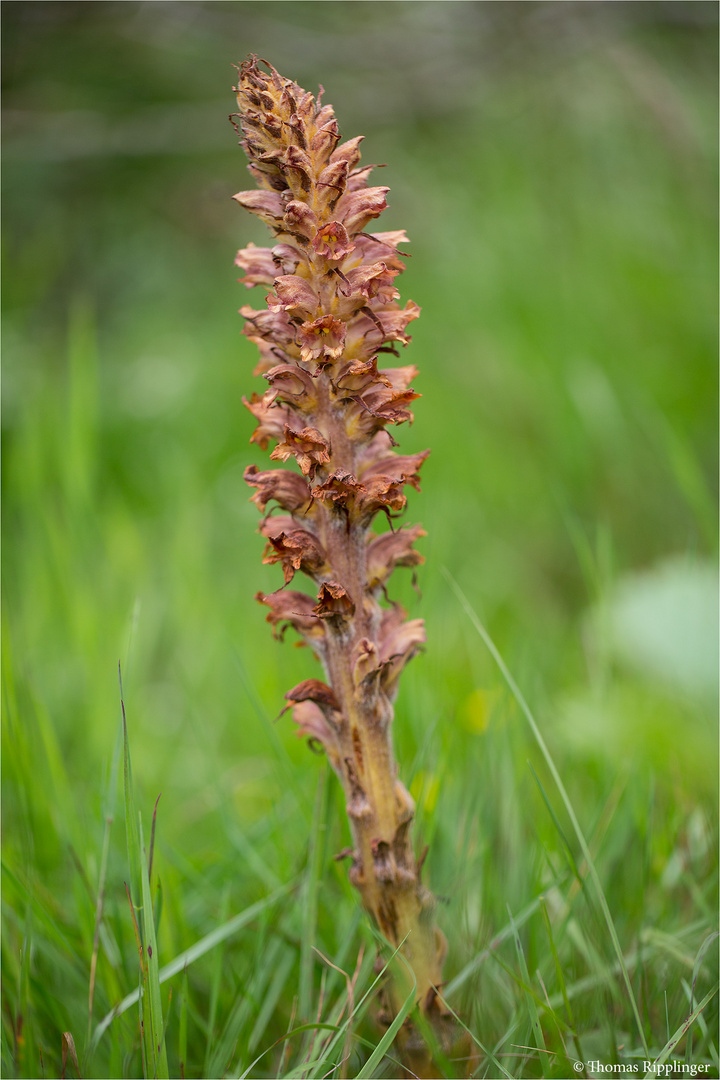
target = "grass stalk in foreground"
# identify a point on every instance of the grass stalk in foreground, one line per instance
(525, 708)
(152, 1026)
(331, 312)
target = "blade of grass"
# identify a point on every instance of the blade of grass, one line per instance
(222, 933)
(696, 971)
(155, 1052)
(143, 1021)
(280, 977)
(345, 1002)
(388, 1038)
(68, 1047)
(561, 980)
(679, 1034)
(690, 997)
(216, 980)
(530, 1001)
(249, 852)
(226, 1044)
(363, 1002)
(251, 990)
(142, 995)
(347, 941)
(52, 931)
(507, 932)
(281, 756)
(194, 952)
(157, 1057)
(310, 893)
(488, 1053)
(138, 902)
(556, 959)
(5, 1054)
(586, 948)
(23, 1052)
(109, 818)
(667, 943)
(299, 1071)
(283, 1038)
(590, 982)
(152, 838)
(524, 984)
(183, 1026)
(131, 829)
(556, 823)
(349, 996)
(592, 870)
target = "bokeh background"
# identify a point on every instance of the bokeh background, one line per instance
(555, 167)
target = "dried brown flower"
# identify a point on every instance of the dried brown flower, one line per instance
(331, 310)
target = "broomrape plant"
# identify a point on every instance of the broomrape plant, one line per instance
(332, 311)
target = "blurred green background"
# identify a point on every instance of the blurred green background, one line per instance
(555, 167)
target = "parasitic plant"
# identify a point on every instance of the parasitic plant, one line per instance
(331, 312)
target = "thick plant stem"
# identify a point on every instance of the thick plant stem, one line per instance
(332, 311)
(379, 807)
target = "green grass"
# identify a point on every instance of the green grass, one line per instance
(555, 167)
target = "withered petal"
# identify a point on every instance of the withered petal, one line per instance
(293, 609)
(289, 490)
(381, 493)
(330, 185)
(296, 550)
(274, 524)
(374, 280)
(313, 690)
(356, 208)
(366, 662)
(392, 549)
(403, 467)
(348, 151)
(298, 169)
(273, 419)
(325, 140)
(392, 239)
(394, 321)
(400, 377)
(307, 446)
(358, 178)
(339, 487)
(259, 265)
(369, 247)
(401, 639)
(293, 383)
(332, 241)
(267, 205)
(311, 722)
(287, 258)
(397, 649)
(300, 219)
(359, 375)
(296, 296)
(322, 337)
(274, 326)
(334, 601)
(377, 407)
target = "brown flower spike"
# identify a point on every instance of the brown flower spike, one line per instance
(332, 311)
